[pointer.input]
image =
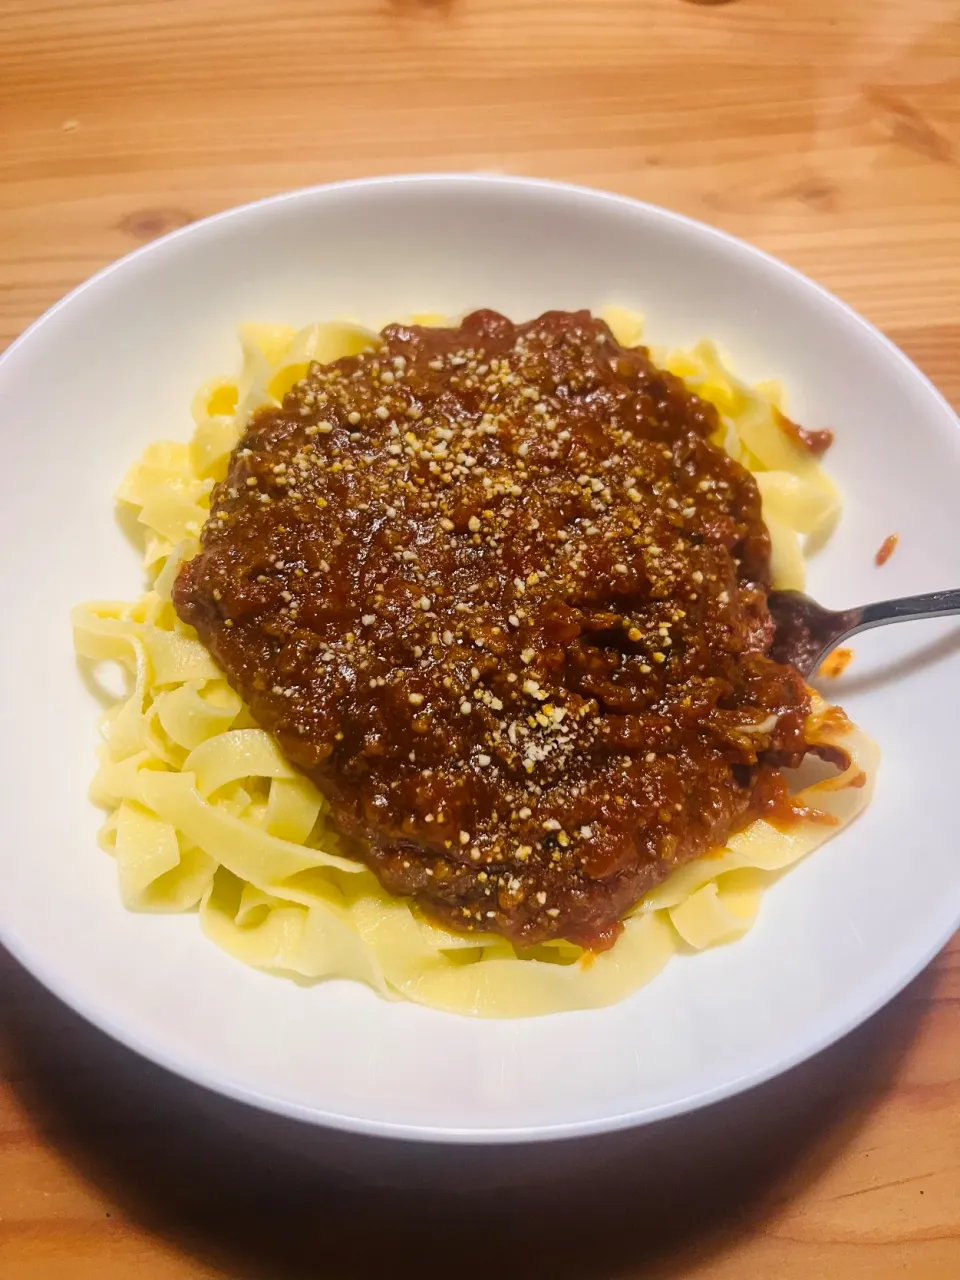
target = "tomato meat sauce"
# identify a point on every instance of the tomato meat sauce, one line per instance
(495, 590)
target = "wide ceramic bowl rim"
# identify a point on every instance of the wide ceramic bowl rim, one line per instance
(156, 1051)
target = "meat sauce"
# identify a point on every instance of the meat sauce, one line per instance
(815, 442)
(494, 589)
(886, 550)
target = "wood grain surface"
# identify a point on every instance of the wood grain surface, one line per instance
(826, 131)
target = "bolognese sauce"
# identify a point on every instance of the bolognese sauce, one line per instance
(497, 592)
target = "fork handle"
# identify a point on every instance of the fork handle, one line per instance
(935, 604)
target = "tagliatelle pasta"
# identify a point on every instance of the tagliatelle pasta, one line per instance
(205, 812)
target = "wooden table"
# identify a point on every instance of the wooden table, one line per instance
(827, 131)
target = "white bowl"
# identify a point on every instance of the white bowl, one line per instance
(114, 366)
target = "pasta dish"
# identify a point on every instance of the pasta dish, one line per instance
(453, 675)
